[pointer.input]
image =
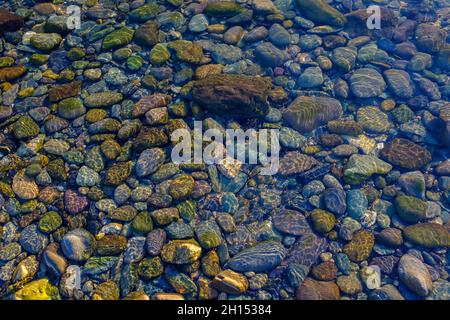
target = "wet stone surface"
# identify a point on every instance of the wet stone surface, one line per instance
(94, 207)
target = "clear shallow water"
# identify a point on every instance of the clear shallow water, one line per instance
(94, 205)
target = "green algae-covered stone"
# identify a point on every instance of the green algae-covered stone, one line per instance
(181, 187)
(181, 251)
(50, 222)
(150, 267)
(107, 290)
(362, 167)
(110, 149)
(40, 289)
(118, 38)
(223, 8)
(187, 51)
(322, 221)
(165, 216)
(39, 59)
(142, 222)
(94, 115)
(46, 41)
(111, 245)
(344, 58)
(188, 210)
(159, 54)
(103, 99)
(308, 113)
(211, 264)
(410, 209)
(321, 12)
(98, 265)
(6, 62)
(76, 54)
(125, 213)
(134, 63)
(118, 173)
(208, 234)
(360, 247)
(428, 235)
(25, 128)
(71, 108)
(12, 73)
(146, 12)
(57, 170)
(373, 120)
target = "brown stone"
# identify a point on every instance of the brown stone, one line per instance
(405, 154)
(12, 73)
(233, 95)
(9, 21)
(64, 91)
(150, 102)
(317, 290)
(326, 271)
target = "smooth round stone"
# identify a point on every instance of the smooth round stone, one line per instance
(291, 222)
(149, 161)
(279, 36)
(367, 83)
(390, 237)
(335, 200)
(428, 235)
(150, 268)
(348, 227)
(311, 289)
(78, 244)
(310, 78)
(115, 76)
(155, 241)
(87, 177)
(405, 154)
(24, 187)
(233, 35)
(32, 240)
(181, 251)
(226, 54)
(314, 187)
(142, 223)
(274, 115)
(344, 58)
(357, 203)
(198, 23)
(415, 275)
(256, 34)
(309, 42)
(50, 222)
(264, 256)
(410, 209)
(270, 55)
(45, 41)
(360, 247)
(10, 251)
(373, 120)
(71, 108)
(135, 250)
(291, 138)
(179, 230)
(400, 83)
(322, 221)
(208, 234)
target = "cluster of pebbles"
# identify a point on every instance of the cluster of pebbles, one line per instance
(93, 207)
